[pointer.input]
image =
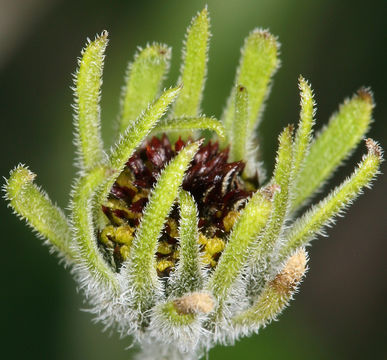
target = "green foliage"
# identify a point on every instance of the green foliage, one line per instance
(88, 253)
(194, 123)
(281, 178)
(134, 134)
(257, 65)
(88, 82)
(26, 198)
(246, 230)
(143, 81)
(262, 259)
(304, 131)
(194, 68)
(132, 138)
(238, 147)
(188, 276)
(263, 252)
(334, 144)
(274, 297)
(311, 223)
(141, 267)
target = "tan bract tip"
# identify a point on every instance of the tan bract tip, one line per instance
(194, 303)
(23, 174)
(373, 147)
(205, 10)
(29, 176)
(291, 274)
(270, 190)
(365, 94)
(301, 80)
(264, 33)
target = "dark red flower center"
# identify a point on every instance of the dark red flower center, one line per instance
(216, 185)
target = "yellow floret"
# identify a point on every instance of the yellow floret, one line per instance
(124, 252)
(164, 264)
(124, 180)
(164, 248)
(124, 235)
(229, 220)
(121, 235)
(214, 246)
(106, 236)
(173, 226)
(207, 259)
(202, 239)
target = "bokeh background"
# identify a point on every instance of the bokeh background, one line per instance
(339, 46)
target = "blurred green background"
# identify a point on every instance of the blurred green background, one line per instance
(340, 312)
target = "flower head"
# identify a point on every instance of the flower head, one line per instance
(179, 241)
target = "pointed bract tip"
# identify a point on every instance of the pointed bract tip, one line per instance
(104, 34)
(194, 303)
(373, 147)
(163, 50)
(205, 10)
(155, 50)
(200, 142)
(262, 33)
(303, 83)
(265, 34)
(18, 178)
(22, 174)
(365, 94)
(301, 79)
(290, 128)
(292, 273)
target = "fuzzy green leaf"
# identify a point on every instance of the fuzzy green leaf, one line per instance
(274, 297)
(257, 65)
(282, 177)
(132, 138)
(194, 68)
(238, 146)
(245, 231)
(141, 269)
(136, 133)
(85, 234)
(188, 276)
(88, 82)
(263, 252)
(304, 130)
(203, 122)
(314, 220)
(335, 142)
(33, 204)
(269, 304)
(143, 81)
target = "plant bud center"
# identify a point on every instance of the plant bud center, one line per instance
(216, 185)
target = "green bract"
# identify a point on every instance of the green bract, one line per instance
(254, 266)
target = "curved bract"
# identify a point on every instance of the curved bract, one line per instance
(172, 238)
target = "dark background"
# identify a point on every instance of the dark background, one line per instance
(340, 312)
